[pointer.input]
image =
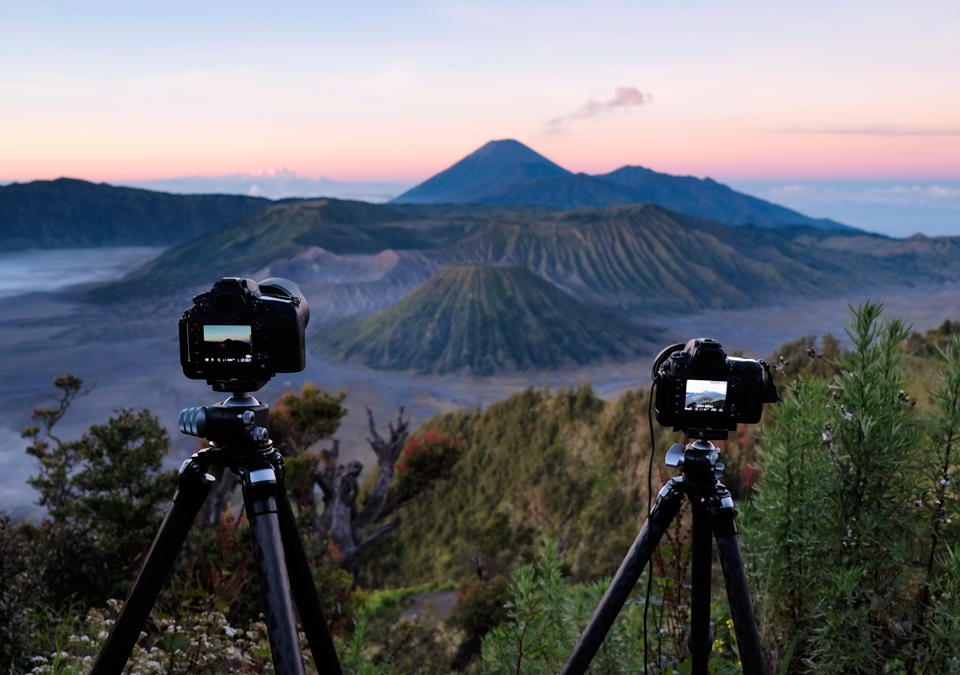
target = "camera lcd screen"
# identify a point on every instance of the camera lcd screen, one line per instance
(705, 396)
(227, 344)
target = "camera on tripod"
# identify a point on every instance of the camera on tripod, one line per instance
(706, 393)
(240, 334)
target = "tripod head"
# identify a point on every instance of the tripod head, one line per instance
(238, 426)
(698, 460)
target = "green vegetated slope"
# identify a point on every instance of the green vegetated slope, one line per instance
(645, 257)
(284, 230)
(634, 258)
(532, 462)
(534, 459)
(483, 320)
(69, 213)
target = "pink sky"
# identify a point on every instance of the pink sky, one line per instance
(109, 92)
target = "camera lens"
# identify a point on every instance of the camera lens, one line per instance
(227, 306)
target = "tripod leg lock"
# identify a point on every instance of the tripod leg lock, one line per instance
(699, 648)
(722, 515)
(193, 484)
(259, 491)
(671, 492)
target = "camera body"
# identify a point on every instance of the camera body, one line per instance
(702, 390)
(244, 331)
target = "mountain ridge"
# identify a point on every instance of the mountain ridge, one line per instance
(634, 258)
(73, 213)
(508, 180)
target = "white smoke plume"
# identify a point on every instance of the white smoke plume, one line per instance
(625, 99)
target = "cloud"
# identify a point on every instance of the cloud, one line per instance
(915, 196)
(625, 98)
(891, 132)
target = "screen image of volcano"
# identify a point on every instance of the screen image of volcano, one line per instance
(705, 395)
(227, 344)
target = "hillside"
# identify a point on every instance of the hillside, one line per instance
(636, 258)
(532, 462)
(483, 320)
(68, 213)
(649, 259)
(282, 232)
(509, 173)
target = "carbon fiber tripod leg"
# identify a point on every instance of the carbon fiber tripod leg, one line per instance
(192, 489)
(700, 638)
(305, 591)
(665, 510)
(259, 496)
(735, 578)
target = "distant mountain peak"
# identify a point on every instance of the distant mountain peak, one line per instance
(490, 170)
(507, 172)
(509, 151)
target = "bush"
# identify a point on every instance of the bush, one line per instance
(852, 536)
(546, 617)
(428, 456)
(105, 494)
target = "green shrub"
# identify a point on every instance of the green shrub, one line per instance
(847, 559)
(427, 456)
(545, 617)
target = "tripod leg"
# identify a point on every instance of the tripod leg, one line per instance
(304, 591)
(700, 639)
(192, 489)
(664, 511)
(259, 497)
(735, 578)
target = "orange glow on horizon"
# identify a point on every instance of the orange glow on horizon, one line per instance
(387, 158)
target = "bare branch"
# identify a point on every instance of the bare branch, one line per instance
(373, 429)
(561, 542)
(389, 526)
(387, 454)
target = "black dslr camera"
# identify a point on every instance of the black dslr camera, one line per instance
(706, 393)
(240, 333)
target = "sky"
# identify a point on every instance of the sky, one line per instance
(847, 96)
(222, 333)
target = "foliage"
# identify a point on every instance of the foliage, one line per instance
(104, 493)
(850, 531)
(20, 585)
(546, 616)
(533, 464)
(842, 548)
(197, 644)
(480, 604)
(427, 456)
(298, 421)
(803, 357)
(931, 343)
(393, 645)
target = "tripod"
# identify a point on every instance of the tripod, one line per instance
(237, 431)
(713, 514)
